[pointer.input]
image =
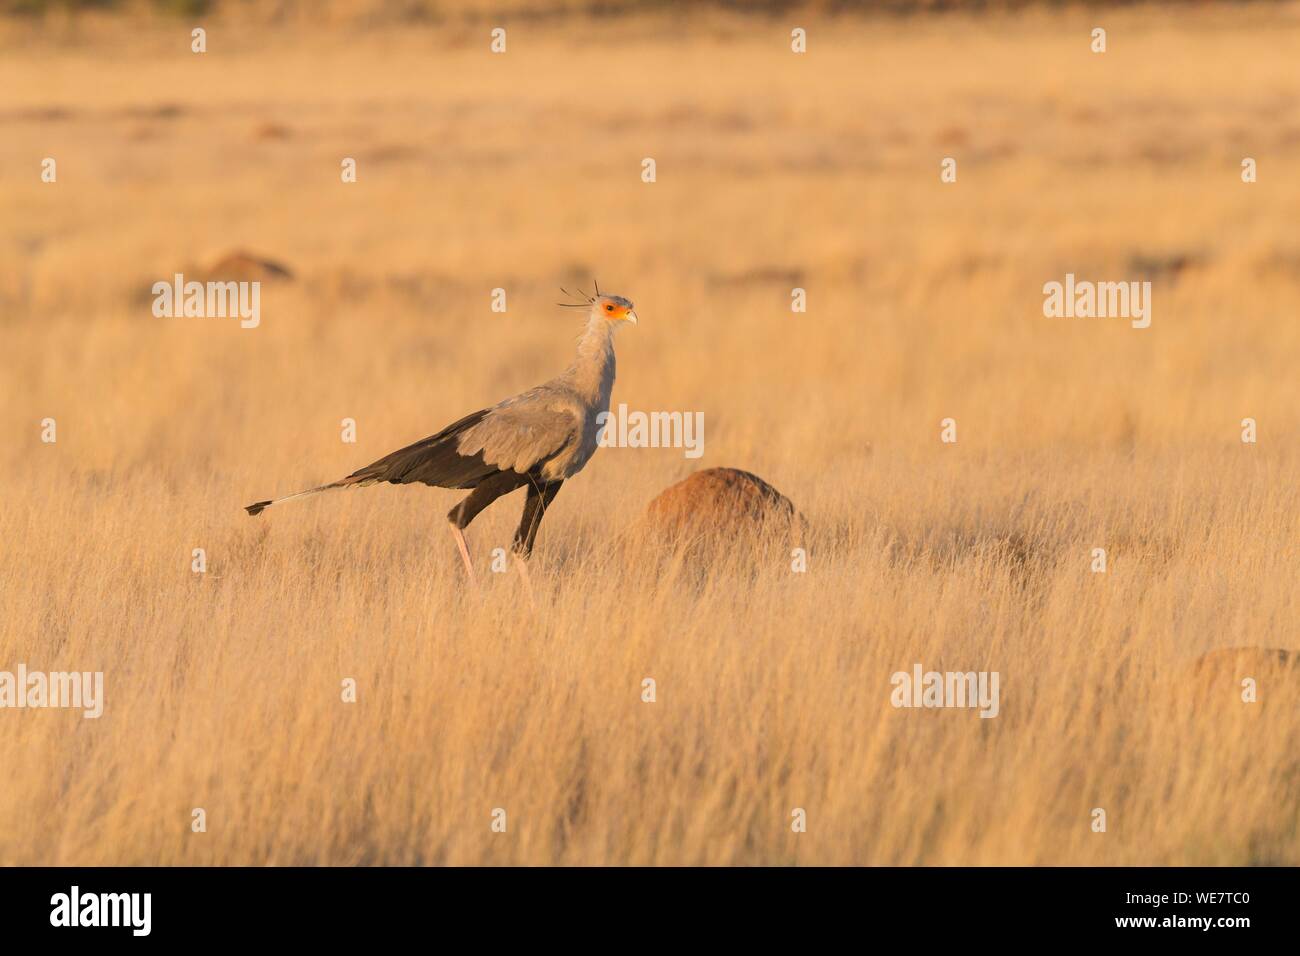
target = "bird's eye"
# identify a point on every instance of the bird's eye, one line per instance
(609, 308)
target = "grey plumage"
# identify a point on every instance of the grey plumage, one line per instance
(526, 432)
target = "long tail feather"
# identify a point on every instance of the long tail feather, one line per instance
(433, 461)
(258, 507)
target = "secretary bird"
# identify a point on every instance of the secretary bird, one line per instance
(536, 439)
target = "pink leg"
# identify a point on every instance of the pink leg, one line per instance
(464, 553)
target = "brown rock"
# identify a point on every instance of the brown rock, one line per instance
(240, 266)
(270, 130)
(724, 503)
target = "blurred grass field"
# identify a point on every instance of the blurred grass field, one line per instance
(522, 171)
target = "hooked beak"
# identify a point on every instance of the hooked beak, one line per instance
(631, 316)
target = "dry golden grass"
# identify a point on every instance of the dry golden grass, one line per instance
(522, 171)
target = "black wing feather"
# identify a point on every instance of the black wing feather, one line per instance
(431, 461)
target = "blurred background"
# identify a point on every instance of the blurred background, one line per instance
(774, 171)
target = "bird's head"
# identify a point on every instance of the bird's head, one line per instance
(613, 309)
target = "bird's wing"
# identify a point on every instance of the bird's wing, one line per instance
(433, 461)
(524, 431)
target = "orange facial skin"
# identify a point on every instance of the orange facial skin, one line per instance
(615, 308)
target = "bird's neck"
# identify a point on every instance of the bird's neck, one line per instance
(593, 370)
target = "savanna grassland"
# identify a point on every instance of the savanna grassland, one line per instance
(774, 170)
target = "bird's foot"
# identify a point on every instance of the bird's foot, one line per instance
(522, 565)
(464, 553)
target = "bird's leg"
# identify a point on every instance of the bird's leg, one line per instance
(464, 552)
(522, 565)
(540, 497)
(484, 493)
